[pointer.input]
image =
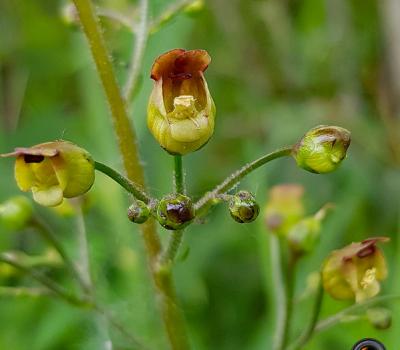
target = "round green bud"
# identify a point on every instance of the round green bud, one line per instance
(138, 212)
(379, 317)
(175, 211)
(243, 207)
(16, 212)
(322, 149)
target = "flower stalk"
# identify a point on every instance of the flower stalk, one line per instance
(204, 203)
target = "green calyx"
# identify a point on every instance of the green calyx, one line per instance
(138, 212)
(322, 149)
(175, 212)
(243, 207)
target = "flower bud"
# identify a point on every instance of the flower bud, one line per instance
(354, 272)
(194, 7)
(322, 149)
(304, 235)
(138, 212)
(16, 212)
(243, 207)
(69, 15)
(174, 212)
(379, 317)
(284, 208)
(53, 170)
(181, 112)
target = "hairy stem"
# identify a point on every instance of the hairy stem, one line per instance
(138, 50)
(127, 184)
(175, 239)
(309, 331)
(337, 318)
(172, 317)
(51, 238)
(204, 203)
(173, 246)
(179, 176)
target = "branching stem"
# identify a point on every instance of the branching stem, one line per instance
(206, 201)
(128, 185)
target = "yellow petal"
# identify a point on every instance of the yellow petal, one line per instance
(48, 197)
(24, 175)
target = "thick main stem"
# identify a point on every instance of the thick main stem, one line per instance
(204, 203)
(171, 315)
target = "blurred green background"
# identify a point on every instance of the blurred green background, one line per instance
(278, 68)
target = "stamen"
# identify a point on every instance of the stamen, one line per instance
(369, 278)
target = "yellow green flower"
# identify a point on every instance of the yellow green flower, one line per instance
(355, 271)
(322, 149)
(284, 208)
(53, 170)
(181, 112)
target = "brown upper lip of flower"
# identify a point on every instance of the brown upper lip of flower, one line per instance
(366, 248)
(180, 64)
(32, 151)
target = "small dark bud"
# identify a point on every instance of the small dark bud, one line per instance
(243, 207)
(138, 212)
(379, 317)
(174, 212)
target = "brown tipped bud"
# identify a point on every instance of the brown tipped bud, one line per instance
(322, 149)
(243, 207)
(138, 212)
(174, 212)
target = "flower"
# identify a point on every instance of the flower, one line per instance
(354, 272)
(243, 207)
(181, 112)
(53, 170)
(322, 149)
(284, 208)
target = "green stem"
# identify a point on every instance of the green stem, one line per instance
(11, 259)
(175, 239)
(279, 290)
(308, 332)
(204, 203)
(290, 286)
(169, 14)
(173, 246)
(22, 292)
(117, 17)
(51, 238)
(138, 50)
(171, 315)
(128, 185)
(179, 181)
(337, 318)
